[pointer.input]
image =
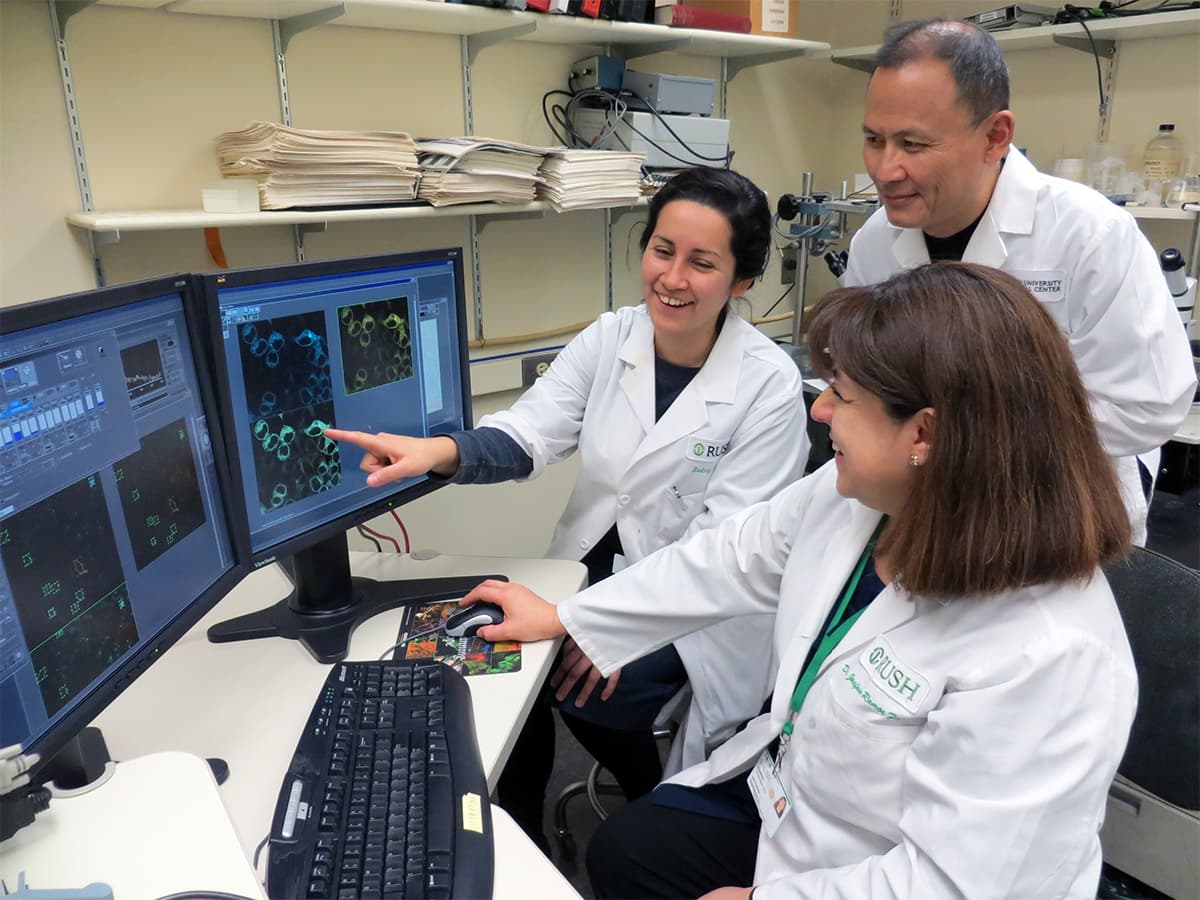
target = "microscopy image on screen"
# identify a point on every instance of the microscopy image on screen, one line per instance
(292, 457)
(376, 343)
(71, 599)
(143, 367)
(160, 492)
(289, 401)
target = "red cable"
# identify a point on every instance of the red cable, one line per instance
(382, 537)
(404, 531)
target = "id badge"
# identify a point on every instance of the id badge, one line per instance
(770, 797)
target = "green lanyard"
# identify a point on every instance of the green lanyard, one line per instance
(834, 632)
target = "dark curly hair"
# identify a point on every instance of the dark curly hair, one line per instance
(734, 196)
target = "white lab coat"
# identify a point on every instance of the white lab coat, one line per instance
(745, 413)
(1098, 276)
(990, 780)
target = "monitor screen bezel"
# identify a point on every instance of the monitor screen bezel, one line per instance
(72, 306)
(212, 283)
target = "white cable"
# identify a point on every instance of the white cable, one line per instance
(14, 767)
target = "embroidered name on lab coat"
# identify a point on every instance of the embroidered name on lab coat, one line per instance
(1047, 285)
(701, 458)
(898, 680)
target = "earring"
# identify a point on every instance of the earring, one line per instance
(914, 461)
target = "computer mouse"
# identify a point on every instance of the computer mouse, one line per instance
(467, 620)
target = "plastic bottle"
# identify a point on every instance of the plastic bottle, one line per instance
(1164, 154)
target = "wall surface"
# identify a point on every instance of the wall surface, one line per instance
(154, 88)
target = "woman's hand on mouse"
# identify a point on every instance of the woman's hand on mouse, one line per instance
(575, 665)
(527, 617)
(390, 457)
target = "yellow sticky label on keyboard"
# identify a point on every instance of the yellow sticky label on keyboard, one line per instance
(472, 813)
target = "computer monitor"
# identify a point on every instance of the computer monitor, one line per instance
(114, 536)
(369, 344)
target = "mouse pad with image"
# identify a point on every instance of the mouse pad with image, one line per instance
(468, 655)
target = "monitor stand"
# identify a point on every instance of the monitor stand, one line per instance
(80, 762)
(327, 603)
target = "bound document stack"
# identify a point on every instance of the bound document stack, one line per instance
(477, 170)
(298, 167)
(590, 179)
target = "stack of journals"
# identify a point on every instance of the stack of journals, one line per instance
(296, 167)
(477, 170)
(590, 179)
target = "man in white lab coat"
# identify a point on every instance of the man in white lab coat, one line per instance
(937, 143)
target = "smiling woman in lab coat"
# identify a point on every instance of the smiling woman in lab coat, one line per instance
(955, 687)
(684, 415)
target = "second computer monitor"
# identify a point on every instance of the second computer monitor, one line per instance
(114, 537)
(373, 344)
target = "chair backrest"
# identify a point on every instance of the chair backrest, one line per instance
(1159, 600)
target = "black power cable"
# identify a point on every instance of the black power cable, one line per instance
(18, 808)
(1080, 16)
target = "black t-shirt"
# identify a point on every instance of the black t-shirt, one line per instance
(952, 247)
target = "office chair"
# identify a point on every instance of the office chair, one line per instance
(666, 723)
(1152, 827)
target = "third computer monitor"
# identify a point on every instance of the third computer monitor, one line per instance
(373, 344)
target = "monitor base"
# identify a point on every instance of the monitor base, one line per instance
(326, 633)
(79, 763)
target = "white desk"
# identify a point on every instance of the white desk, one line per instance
(247, 702)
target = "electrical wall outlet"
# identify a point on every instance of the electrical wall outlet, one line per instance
(533, 367)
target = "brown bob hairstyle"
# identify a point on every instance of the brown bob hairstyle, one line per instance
(1017, 489)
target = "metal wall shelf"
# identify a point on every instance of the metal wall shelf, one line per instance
(116, 221)
(627, 39)
(1105, 32)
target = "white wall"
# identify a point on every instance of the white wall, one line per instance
(154, 89)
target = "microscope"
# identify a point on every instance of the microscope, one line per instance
(818, 221)
(1182, 287)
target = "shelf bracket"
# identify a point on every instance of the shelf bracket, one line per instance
(60, 12)
(474, 226)
(64, 9)
(477, 42)
(302, 230)
(289, 28)
(1103, 48)
(741, 63)
(852, 62)
(608, 264)
(485, 220)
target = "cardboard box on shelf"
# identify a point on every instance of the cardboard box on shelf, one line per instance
(774, 18)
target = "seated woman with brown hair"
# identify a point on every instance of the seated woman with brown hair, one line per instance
(955, 687)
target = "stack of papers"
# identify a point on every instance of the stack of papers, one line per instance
(297, 167)
(478, 170)
(590, 179)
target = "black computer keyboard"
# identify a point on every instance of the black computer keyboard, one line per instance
(386, 795)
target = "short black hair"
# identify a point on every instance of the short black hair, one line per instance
(734, 196)
(974, 57)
